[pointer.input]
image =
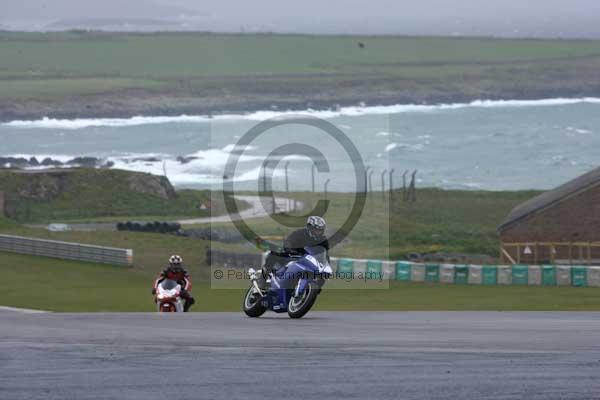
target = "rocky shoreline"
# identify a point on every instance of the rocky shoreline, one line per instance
(48, 162)
(76, 162)
(111, 105)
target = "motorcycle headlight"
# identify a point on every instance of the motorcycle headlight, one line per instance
(325, 269)
(252, 273)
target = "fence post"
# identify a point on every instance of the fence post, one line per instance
(404, 193)
(287, 187)
(383, 183)
(413, 191)
(2, 204)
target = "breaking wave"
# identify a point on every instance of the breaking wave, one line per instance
(51, 123)
(204, 167)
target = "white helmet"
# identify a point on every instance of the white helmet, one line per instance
(175, 260)
(315, 227)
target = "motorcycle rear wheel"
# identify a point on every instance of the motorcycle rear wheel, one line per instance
(252, 305)
(299, 306)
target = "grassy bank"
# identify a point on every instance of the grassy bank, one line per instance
(453, 221)
(117, 74)
(459, 221)
(151, 250)
(56, 285)
(98, 194)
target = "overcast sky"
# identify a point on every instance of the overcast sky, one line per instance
(507, 18)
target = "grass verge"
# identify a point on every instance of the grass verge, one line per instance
(67, 286)
(453, 221)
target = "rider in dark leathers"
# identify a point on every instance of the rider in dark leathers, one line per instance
(313, 234)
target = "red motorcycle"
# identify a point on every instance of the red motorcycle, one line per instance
(168, 296)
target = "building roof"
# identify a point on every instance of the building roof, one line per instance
(552, 197)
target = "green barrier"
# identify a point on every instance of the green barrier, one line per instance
(403, 271)
(520, 275)
(432, 273)
(461, 275)
(345, 266)
(489, 275)
(578, 276)
(548, 275)
(374, 269)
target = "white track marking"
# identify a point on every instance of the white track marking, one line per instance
(22, 310)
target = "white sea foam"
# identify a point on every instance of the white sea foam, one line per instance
(579, 130)
(405, 146)
(202, 167)
(233, 147)
(80, 123)
(391, 147)
(50, 123)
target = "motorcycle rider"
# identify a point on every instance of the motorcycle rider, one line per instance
(176, 272)
(313, 234)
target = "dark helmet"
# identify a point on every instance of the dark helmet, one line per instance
(315, 226)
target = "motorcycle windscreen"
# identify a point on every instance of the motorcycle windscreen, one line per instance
(319, 253)
(168, 284)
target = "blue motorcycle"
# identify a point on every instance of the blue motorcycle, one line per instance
(292, 288)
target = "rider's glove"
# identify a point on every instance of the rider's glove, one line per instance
(153, 291)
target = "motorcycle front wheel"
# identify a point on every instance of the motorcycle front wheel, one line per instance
(253, 306)
(299, 306)
(167, 307)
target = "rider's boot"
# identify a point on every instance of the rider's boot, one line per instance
(188, 300)
(188, 303)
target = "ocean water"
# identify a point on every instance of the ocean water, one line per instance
(490, 145)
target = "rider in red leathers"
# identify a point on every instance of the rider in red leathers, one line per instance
(177, 273)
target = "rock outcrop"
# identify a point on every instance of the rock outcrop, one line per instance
(86, 190)
(151, 184)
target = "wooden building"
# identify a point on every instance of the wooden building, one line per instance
(561, 226)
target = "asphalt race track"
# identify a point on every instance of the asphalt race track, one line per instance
(352, 355)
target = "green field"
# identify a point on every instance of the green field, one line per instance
(451, 221)
(56, 285)
(189, 55)
(93, 73)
